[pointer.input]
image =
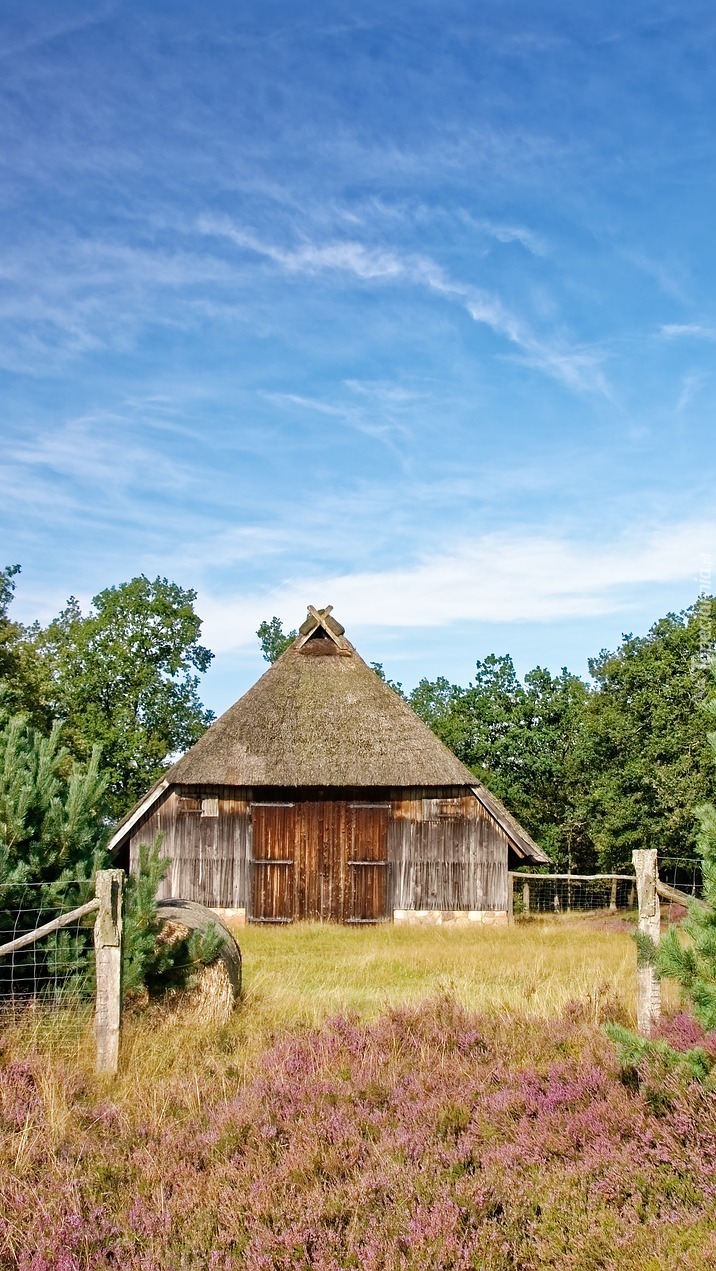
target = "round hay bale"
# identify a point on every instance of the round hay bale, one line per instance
(195, 917)
(211, 1000)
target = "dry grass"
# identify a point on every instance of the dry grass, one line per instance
(304, 973)
(297, 977)
(263, 1138)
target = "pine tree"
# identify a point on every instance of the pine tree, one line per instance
(51, 839)
(693, 964)
(150, 962)
(691, 961)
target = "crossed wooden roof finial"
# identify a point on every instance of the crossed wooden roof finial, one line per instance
(321, 618)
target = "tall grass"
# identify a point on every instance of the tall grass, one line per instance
(303, 973)
(297, 977)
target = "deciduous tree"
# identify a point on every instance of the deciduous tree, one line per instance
(22, 686)
(646, 749)
(524, 740)
(272, 638)
(124, 677)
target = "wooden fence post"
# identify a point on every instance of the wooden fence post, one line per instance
(526, 899)
(108, 962)
(648, 1003)
(613, 897)
(510, 899)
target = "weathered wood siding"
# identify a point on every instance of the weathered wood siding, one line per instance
(446, 852)
(284, 855)
(207, 836)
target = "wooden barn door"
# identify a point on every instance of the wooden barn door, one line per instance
(273, 861)
(317, 883)
(367, 881)
(320, 860)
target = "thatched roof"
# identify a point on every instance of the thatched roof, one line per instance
(321, 717)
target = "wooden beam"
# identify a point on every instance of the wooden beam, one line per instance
(65, 920)
(128, 824)
(578, 878)
(677, 897)
(648, 1001)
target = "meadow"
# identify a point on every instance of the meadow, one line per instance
(383, 1098)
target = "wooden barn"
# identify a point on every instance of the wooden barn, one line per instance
(321, 795)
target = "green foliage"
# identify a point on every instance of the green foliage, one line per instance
(51, 839)
(7, 589)
(692, 962)
(637, 1054)
(123, 678)
(150, 962)
(22, 683)
(645, 745)
(50, 828)
(51, 836)
(273, 640)
(687, 955)
(524, 741)
(394, 684)
(592, 773)
(647, 953)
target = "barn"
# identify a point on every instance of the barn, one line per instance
(321, 795)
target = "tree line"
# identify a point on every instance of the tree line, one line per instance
(92, 706)
(591, 769)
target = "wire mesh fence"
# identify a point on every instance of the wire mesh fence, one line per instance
(47, 986)
(549, 894)
(682, 872)
(554, 894)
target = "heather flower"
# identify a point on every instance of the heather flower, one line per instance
(427, 1139)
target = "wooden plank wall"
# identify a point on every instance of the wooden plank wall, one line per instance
(209, 848)
(445, 852)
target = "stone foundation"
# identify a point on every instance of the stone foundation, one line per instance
(451, 917)
(235, 917)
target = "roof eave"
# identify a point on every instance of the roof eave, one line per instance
(520, 840)
(140, 809)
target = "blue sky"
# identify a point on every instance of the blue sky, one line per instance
(407, 308)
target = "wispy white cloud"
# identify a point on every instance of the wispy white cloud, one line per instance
(378, 410)
(507, 232)
(47, 31)
(577, 368)
(697, 330)
(494, 578)
(74, 295)
(417, 212)
(691, 385)
(668, 279)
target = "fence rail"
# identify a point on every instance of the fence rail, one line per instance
(65, 920)
(540, 894)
